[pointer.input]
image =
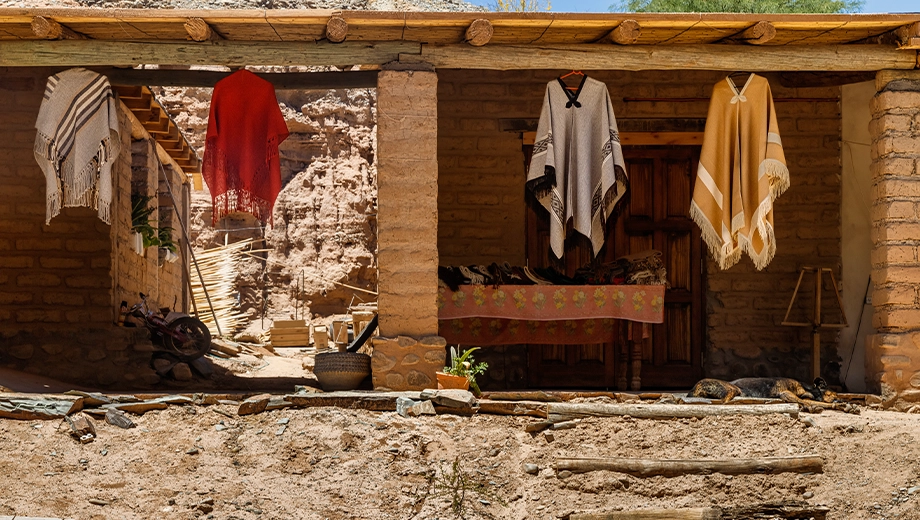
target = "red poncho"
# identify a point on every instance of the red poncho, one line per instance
(241, 165)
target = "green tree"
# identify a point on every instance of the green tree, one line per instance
(738, 6)
(521, 5)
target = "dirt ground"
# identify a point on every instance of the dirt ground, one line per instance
(330, 463)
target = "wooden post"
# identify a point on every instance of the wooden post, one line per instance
(680, 467)
(627, 33)
(558, 412)
(816, 333)
(479, 32)
(909, 37)
(336, 29)
(638, 329)
(200, 31)
(51, 30)
(757, 34)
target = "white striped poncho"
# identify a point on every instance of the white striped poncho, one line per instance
(77, 142)
(577, 171)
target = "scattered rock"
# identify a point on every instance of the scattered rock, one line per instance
(403, 404)
(280, 431)
(82, 428)
(191, 451)
(422, 408)
(531, 469)
(98, 502)
(255, 404)
(182, 372)
(118, 418)
(807, 495)
(163, 365)
(564, 474)
(549, 436)
(220, 426)
(451, 398)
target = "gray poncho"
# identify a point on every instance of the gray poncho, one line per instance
(77, 142)
(577, 171)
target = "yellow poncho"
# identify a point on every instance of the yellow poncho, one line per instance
(742, 171)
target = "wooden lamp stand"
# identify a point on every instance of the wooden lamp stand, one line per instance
(816, 324)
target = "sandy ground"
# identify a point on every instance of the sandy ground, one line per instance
(330, 463)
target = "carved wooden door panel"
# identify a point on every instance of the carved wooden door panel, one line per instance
(656, 217)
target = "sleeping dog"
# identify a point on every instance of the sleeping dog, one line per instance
(789, 390)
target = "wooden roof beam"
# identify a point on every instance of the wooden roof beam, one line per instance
(666, 57)
(757, 34)
(479, 32)
(201, 31)
(627, 33)
(87, 53)
(908, 36)
(49, 29)
(336, 29)
(123, 78)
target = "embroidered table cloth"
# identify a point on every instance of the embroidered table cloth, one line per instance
(544, 314)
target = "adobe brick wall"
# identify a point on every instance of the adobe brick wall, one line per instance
(893, 355)
(56, 301)
(407, 194)
(481, 202)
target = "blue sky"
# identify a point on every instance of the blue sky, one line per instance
(871, 6)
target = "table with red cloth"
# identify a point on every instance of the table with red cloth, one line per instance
(552, 315)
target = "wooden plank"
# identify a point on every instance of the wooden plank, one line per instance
(109, 53)
(284, 324)
(690, 513)
(516, 408)
(558, 412)
(664, 57)
(776, 511)
(679, 467)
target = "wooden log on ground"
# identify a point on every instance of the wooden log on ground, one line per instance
(49, 29)
(374, 401)
(545, 397)
(479, 32)
(784, 510)
(558, 412)
(691, 513)
(519, 408)
(336, 29)
(627, 33)
(679, 467)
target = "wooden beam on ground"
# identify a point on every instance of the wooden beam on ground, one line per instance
(664, 57)
(207, 78)
(627, 33)
(336, 29)
(479, 32)
(558, 412)
(908, 36)
(200, 31)
(374, 401)
(679, 467)
(781, 510)
(517, 408)
(757, 34)
(49, 29)
(74, 53)
(689, 513)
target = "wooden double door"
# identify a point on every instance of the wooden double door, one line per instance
(656, 216)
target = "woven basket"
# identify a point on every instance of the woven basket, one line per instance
(341, 370)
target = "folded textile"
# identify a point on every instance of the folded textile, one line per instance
(77, 141)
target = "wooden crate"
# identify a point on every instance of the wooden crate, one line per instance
(290, 333)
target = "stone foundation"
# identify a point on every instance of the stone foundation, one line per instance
(404, 363)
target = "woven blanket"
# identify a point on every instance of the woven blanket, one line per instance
(241, 164)
(577, 170)
(742, 171)
(77, 142)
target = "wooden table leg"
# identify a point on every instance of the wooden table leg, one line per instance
(622, 348)
(636, 339)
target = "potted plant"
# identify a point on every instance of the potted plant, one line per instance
(462, 371)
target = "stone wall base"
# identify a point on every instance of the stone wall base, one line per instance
(893, 368)
(405, 363)
(91, 357)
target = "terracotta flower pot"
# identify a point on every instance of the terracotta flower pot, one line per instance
(447, 381)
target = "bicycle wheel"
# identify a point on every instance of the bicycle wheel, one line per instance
(193, 338)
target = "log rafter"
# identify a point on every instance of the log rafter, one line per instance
(50, 29)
